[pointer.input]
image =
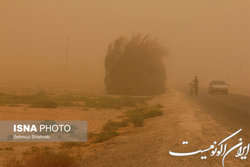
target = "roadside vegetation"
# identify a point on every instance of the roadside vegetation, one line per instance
(110, 129)
(114, 102)
(134, 116)
(44, 100)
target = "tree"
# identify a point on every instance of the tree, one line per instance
(135, 66)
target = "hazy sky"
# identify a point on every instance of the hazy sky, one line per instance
(208, 38)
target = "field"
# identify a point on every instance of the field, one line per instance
(107, 117)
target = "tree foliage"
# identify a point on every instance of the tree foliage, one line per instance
(135, 66)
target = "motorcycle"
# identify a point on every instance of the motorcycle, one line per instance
(194, 89)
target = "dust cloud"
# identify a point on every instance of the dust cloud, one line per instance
(209, 39)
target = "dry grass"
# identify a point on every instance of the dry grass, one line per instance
(138, 115)
(40, 155)
(44, 159)
(135, 116)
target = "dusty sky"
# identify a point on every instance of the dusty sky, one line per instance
(208, 38)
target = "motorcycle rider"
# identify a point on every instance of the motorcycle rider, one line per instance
(195, 86)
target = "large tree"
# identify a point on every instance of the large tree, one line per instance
(135, 66)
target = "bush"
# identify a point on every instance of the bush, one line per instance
(109, 130)
(113, 126)
(153, 112)
(44, 103)
(159, 105)
(136, 116)
(105, 135)
(101, 102)
(9, 148)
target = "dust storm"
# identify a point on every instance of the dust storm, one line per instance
(205, 38)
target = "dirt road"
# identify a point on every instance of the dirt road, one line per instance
(184, 119)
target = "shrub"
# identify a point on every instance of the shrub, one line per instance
(44, 103)
(9, 148)
(159, 105)
(101, 102)
(113, 126)
(105, 135)
(136, 116)
(153, 112)
(109, 130)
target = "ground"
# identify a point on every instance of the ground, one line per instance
(185, 119)
(96, 119)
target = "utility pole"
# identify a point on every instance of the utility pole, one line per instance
(67, 66)
(240, 72)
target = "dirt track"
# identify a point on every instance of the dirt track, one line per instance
(183, 120)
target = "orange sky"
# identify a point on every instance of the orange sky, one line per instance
(206, 38)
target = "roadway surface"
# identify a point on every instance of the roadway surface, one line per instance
(231, 111)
